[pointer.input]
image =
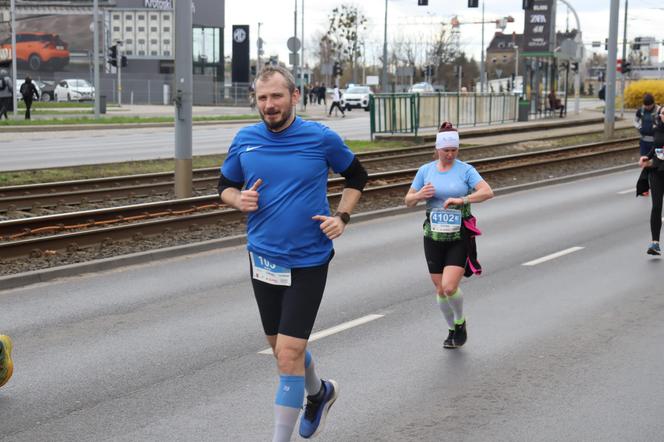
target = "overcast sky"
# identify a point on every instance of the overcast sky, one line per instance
(407, 20)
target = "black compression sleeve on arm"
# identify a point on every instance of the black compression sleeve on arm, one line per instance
(356, 176)
(225, 183)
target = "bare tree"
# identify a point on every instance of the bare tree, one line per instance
(347, 22)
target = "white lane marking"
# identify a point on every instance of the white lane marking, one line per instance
(624, 192)
(552, 256)
(332, 330)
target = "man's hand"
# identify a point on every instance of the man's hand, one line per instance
(249, 198)
(644, 162)
(332, 226)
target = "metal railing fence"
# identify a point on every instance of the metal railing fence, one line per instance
(408, 113)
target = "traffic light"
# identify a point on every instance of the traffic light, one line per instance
(337, 71)
(626, 67)
(527, 4)
(123, 61)
(422, 2)
(113, 55)
(575, 66)
(473, 3)
(637, 44)
(606, 44)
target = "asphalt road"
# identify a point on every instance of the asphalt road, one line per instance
(565, 349)
(20, 151)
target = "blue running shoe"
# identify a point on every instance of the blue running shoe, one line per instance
(654, 249)
(313, 419)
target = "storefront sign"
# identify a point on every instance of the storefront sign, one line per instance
(539, 28)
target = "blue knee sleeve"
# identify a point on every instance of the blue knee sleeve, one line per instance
(290, 392)
(307, 359)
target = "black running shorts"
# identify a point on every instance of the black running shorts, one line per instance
(291, 311)
(444, 253)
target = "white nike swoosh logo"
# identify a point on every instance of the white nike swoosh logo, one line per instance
(253, 148)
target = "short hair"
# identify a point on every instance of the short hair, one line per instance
(648, 99)
(269, 70)
(446, 126)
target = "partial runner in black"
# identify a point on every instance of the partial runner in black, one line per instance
(276, 172)
(654, 164)
(448, 186)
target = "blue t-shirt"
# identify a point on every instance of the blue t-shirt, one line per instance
(457, 182)
(293, 165)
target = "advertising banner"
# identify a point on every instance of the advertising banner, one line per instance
(539, 36)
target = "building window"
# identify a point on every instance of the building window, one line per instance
(167, 53)
(129, 52)
(129, 17)
(129, 41)
(153, 42)
(141, 17)
(116, 28)
(129, 29)
(141, 41)
(166, 67)
(153, 17)
(141, 52)
(167, 29)
(166, 17)
(153, 29)
(153, 53)
(167, 41)
(141, 29)
(116, 16)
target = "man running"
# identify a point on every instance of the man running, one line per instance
(284, 163)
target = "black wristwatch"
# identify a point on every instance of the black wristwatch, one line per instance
(345, 216)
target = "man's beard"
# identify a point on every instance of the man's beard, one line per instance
(278, 123)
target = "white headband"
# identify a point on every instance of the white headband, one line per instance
(447, 139)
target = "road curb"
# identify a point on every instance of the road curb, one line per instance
(45, 275)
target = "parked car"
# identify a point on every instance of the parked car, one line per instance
(356, 97)
(421, 88)
(19, 83)
(39, 50)
(47, 90)
(75, 89)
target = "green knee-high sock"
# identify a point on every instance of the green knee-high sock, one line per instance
(456, 302)
(447, 310)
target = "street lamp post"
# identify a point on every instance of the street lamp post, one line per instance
(482, 56)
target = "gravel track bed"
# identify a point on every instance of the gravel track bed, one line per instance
(403, 163)
(202, 233)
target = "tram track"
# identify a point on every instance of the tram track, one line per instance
(48, 198)
(69, 232)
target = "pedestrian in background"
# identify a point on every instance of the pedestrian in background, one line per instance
(6, 94)
(336, 102)
(653, 162)
(29, 93)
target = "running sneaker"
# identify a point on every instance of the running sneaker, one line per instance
(449, 342)
(654, 249)
(460, 334)
(6, 364)
(315, 412)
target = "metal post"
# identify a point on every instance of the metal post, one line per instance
(259, 46)
(183, 98)
(609, 111)
(624, 58)
(119, 69)
(482, 56)
(95, 53)
(295, 53)
(384, 79)
(14, 61)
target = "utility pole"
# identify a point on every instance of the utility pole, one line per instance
(482, 59)
(259, 49)
(14, 61)
(183, 98)
(624, 60)
(119, 71)
(384, 79)
(95, 52)
(610, 110)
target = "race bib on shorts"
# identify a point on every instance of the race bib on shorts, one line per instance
(445, 220)
(266, 271)
(659, 152)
